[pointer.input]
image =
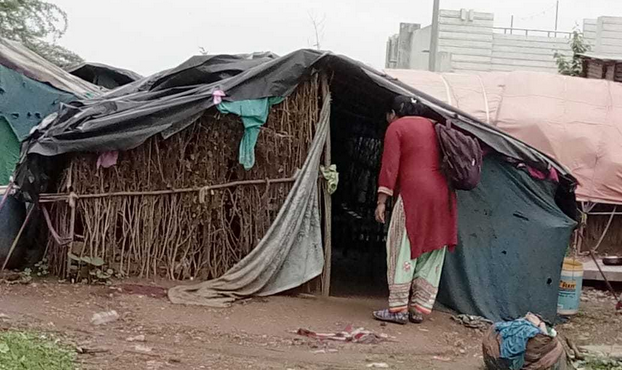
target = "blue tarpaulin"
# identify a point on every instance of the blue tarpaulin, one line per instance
(512, 242)
(23, 104)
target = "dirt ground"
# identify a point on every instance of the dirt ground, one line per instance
(258, 334)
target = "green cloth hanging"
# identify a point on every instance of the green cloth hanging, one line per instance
(254, 114)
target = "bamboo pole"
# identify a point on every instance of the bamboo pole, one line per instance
(72, 229)
(6, 195)
(17, 237)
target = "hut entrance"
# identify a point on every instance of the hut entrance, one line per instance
(358, 241)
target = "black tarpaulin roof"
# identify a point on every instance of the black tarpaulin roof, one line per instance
(103, 74)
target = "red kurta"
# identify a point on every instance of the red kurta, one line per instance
(411, 165)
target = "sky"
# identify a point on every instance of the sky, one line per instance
(148, 36)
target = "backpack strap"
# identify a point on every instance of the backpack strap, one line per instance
(444, 161)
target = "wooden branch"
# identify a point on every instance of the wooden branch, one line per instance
(17, 237)
(72, 229)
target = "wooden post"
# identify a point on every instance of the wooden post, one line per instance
(328, 249)
(434, 37)
(73, 203)
(17, 237)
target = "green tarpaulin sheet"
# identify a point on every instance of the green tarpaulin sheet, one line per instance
(512, 242)
(9, 151)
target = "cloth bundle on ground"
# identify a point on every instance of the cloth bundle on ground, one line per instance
(523, 344)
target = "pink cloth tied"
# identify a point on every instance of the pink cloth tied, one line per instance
(218, 95)
(107, 159)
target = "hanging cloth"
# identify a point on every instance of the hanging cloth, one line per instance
(331, 176)
(254, 114)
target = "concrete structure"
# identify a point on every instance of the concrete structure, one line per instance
(604, 34)
(469, 41)
(604, 60)
(602, 67)
(590, 271)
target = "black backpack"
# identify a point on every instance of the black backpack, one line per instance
(461, 157)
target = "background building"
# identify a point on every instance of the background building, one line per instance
(468, 41)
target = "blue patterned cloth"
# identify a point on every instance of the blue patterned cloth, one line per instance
(515, 335)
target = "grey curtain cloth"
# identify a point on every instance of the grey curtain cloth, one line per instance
(289, 255)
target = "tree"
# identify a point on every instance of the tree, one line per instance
(37, 25)
(574, 66)
(318, 29)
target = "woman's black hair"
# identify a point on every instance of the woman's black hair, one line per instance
(404, 106)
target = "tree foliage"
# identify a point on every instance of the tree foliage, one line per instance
(573, 66)
(37, 25)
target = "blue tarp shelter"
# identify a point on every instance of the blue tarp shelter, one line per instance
(31, 88)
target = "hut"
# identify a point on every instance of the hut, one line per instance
(222, 171)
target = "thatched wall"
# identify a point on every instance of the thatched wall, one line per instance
(193, 234)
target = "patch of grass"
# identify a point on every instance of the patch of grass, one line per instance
(19, 350)
(599, 364)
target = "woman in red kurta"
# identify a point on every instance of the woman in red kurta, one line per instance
(423, 222)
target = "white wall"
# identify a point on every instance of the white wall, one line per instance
(467, 36)
(527, 53)
(590, 31)
(609, 35)
(420, 49)
(468, 40)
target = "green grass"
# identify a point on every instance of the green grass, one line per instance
(27, 351)
(599, 364)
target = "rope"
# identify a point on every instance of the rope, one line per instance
(203, 194)
(447, 89)
(72, 199)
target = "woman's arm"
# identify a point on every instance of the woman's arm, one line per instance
(389, 171)
(381, 207)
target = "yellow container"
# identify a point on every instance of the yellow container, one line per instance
(570, 286)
